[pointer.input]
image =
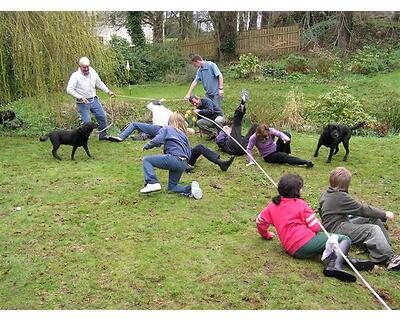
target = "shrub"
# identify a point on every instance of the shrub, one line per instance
(325, 63)
(336, 106)
(183, 76)
(371, 59)
(297, 63)
(274, 71)
(249, 65)
(150, 62)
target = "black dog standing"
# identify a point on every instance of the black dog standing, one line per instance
(75, 138)
(332, 135)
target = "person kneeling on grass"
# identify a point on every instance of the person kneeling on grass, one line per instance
(177, 151)
(299, 231)
(271, 151)
(362, 223)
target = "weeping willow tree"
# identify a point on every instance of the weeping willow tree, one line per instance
(39, 51)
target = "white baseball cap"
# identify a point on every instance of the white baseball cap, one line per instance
(84, 61)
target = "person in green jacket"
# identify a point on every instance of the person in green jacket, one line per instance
(362, 223)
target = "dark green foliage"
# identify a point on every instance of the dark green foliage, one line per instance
(153, 62)
(147, 63)
(274, 70)
(297, 63)
(372, 59)
(134, 26)
(337, 106)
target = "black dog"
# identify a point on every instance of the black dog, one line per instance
(75, 138)
(332, 135)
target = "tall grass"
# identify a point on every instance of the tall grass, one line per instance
(39, 50)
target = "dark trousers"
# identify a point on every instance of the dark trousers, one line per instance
(237, 132)
(281, 155)
(201, 149)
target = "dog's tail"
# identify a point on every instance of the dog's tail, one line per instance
(358, 125)
(44, 138)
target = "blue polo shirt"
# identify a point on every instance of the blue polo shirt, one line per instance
(208, 75)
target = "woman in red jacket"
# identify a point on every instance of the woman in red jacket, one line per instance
(299, 230)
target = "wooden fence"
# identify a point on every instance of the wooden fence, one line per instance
(264, 42)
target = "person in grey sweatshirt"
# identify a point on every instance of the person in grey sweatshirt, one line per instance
(362, 223)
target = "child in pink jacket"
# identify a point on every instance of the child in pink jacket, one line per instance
(299, 232)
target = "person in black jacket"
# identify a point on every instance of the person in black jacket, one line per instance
(207, 108)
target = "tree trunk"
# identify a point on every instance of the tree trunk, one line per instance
(225, 23)
(242, 21)
(253, 20)
(185, 24)
(158, 27)
(265, 19)
(344, 29)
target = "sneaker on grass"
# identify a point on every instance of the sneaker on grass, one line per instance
(245, 96)
(394, 262)
(115, 139)
(196, 191)
(151, 187)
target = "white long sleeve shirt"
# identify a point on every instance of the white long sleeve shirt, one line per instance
(160, 114)
(84, 86)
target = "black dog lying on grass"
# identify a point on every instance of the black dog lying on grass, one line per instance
(332, 135)
(75, 138)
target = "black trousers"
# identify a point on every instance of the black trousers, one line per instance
(237, 132)
(201, 149)
(281, 155)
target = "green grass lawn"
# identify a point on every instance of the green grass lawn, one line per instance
(86, 238)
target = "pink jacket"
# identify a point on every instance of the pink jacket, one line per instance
(294, 222)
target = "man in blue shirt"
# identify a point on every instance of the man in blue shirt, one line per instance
(211, 77)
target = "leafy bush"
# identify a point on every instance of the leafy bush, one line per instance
(336, 106)
(249, 65)
(325, 63)
(274, 71)
(183, 76)
(150, 62)
(372, 59)
(297, 63)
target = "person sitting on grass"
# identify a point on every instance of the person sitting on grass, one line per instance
(227, 136)
(160, 117)
(271, 151)
(299, 232)
(362, 223)
(177, 152)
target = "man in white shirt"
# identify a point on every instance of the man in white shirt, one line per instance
(160, 117)
(82, 85)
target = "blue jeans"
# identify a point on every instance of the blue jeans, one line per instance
(96, 108)
(149, 129)
(216, 98)
(174, 164)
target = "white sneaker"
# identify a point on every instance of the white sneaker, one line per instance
(196, 191)
(394, 262)
(151, 187)
(245, 96)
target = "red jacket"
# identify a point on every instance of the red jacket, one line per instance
(294, 222)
